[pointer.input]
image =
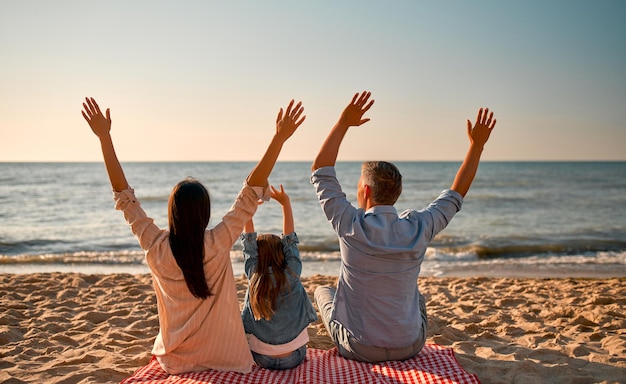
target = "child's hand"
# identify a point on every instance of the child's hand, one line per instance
(279, 195)
(283, 199)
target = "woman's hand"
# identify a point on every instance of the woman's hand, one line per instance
(100, 125)
(287, 123)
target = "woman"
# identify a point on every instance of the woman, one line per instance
(198, 309)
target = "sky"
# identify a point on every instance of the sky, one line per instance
(204, 80)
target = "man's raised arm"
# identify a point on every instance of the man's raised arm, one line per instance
(478, 136)
(351, 116)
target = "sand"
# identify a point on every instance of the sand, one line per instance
(76, 328)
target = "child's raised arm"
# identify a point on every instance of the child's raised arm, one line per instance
(101, 126)
(286, 125)
(283, 199)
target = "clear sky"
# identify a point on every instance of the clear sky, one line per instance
(203, 80)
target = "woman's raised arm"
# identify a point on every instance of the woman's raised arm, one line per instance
(101, 127)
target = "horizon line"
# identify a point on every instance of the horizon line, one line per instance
(310, 161)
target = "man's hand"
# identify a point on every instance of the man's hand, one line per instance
(479, 134)
(352, 115)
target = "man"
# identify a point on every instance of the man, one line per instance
(377, 313)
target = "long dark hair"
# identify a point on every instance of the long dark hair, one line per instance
(264, 290)
(189, 210)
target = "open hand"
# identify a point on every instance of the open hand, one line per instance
(287, 123)
(100, 125)
(352, 115)
(479, 134)
(279, 195)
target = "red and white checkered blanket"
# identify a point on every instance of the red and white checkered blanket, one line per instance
(434, 364)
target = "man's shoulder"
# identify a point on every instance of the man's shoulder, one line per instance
(328, 170)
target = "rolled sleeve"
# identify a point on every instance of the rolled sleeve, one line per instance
(141, 225)
(244, 207)
(123, 198)
(263, 193)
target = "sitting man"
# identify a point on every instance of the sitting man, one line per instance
(377, 313)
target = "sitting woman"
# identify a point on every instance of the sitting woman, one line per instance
(198, 309)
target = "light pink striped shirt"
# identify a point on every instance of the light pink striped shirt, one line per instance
(196, 334)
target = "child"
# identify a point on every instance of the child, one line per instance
(197, 302)
(277, 309)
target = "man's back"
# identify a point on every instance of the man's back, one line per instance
(377, 298)
(369, 293)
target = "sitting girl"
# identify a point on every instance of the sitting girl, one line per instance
(198, 309)
(277, 309)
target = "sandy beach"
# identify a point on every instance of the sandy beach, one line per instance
(77, 328)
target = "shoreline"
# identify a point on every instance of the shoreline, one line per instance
(458, 269)
(72, 327)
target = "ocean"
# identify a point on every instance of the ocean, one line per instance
(526, 219)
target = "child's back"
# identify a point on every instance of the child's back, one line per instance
(277, 309)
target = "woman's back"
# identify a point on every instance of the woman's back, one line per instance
(195, 334)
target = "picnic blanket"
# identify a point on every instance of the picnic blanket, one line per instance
(434, 364)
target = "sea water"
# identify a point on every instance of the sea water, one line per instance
(519, 218)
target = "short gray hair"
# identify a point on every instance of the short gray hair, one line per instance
(384, 179)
